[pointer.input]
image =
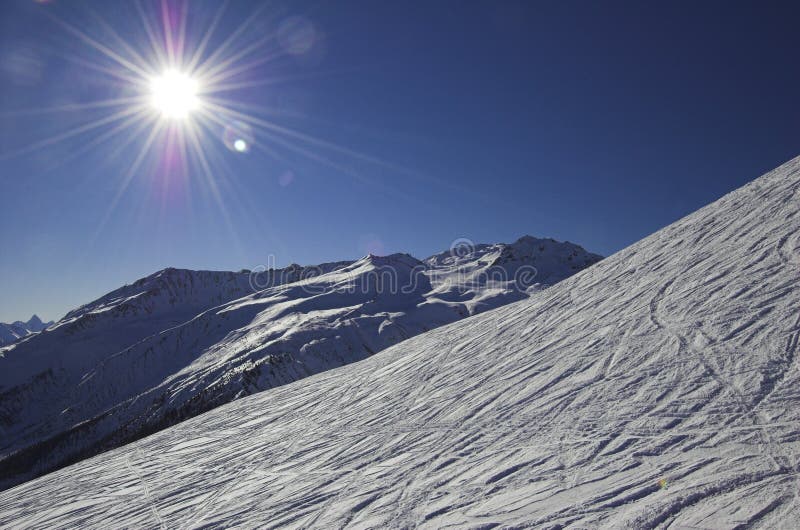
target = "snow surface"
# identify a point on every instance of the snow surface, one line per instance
(658, 388)
(178, 343)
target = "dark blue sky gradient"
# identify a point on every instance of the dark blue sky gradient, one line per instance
(594, 122)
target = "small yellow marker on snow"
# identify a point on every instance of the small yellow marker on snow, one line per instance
(663, 483)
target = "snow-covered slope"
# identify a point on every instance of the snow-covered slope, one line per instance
(16, 330)
(658, 388)
(179, 343)
(117, 320)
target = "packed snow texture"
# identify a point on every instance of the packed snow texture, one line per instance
(16, 330)
(179, 343)
(657, 388)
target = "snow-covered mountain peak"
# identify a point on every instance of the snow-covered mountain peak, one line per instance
(35, 323)
(525, 249)
(18, 330)
(549, 256)
(397, 259)
(167, 291)
(475, 274)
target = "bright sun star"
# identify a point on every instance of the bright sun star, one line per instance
(174, 94)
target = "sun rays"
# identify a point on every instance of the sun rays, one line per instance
(177, 102)
(158, 70)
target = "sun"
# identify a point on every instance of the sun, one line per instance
(174, 94)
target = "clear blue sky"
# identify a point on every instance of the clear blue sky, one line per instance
(594, 122)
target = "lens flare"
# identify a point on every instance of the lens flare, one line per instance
(237, 136)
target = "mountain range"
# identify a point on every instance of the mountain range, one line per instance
(16, 330)
(179, 342)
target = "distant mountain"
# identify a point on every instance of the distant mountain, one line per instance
(486, 276)
(16, 330)
(180, 342)
(657, 389)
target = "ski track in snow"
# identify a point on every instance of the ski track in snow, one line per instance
(674, 360)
